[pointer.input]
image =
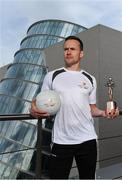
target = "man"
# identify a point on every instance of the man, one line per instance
(73, 134)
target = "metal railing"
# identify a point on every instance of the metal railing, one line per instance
(16, 117)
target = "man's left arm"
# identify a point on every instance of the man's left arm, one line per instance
(96, 112)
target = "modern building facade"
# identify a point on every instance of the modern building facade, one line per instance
(20, 84)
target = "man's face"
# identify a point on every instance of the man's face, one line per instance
(72, 52)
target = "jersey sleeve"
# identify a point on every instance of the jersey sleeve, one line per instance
(47, 82)
(92, 96)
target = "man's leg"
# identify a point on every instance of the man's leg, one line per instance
(60, 162)
(86, 157)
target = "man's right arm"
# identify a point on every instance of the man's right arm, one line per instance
(37, 113)
(45, 86)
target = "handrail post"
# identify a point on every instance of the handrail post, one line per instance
(39, 150)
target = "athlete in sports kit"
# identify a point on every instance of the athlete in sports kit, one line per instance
(73, 134)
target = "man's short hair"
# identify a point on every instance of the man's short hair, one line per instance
(75, 38)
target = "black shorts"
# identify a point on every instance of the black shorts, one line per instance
(85, 155)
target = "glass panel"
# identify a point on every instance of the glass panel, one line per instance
(30, 137)
(30, 56)
(26, 107)
(7, 172)
(2, 168)
(21, 89)
(27, 159)
(40, 41)
(11, 127)
(16, 159)
(13, 173)
(64, 29)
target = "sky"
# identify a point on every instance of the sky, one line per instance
(17, 15)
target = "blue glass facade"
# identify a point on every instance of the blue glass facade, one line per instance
(21, 83)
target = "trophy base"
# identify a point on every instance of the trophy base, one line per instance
(111, 105)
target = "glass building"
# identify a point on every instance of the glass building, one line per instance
(21, 83)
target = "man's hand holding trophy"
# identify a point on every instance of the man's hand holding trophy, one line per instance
(112, 110)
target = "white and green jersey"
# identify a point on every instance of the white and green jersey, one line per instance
(77, 89)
